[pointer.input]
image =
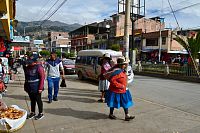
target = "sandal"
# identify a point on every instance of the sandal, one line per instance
(100, 100)
(111, 116)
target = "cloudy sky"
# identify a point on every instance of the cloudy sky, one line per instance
(88, 11)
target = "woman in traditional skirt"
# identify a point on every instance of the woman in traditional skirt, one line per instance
(104, 83)
(118, 95)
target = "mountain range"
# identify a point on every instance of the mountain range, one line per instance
(49, 25)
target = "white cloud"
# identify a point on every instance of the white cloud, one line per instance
(81, 11)
(184, 16)
(73, 11)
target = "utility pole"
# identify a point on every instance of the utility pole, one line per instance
(160, 44)
(126, 29)
(160, 38)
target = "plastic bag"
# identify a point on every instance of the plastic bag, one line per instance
(63, 84)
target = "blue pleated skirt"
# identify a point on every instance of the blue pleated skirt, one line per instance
(118, 100)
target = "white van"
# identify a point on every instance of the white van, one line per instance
(88, 63)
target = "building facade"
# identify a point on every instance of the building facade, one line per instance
(85, 37)
(59, 41)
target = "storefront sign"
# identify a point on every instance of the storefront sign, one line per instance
(25, 39)
(38, 42)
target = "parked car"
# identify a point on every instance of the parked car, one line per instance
(69, 66)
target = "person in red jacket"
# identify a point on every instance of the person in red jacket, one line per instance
(118, 95)
(103, 82)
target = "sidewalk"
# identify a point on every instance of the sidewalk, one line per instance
(78, 111)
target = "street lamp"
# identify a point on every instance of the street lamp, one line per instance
(160, 39)
(108, 31)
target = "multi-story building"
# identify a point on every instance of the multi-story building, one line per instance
(83, 37)
(59, 40)
(149, 36)
(143, 24)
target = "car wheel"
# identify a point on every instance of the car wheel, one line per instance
(80, 75)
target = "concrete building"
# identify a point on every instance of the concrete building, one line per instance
(143, 24)
(149, 36)
(59, 41)
(85, 36)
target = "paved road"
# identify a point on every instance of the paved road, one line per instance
(178, 95)
(161, 106)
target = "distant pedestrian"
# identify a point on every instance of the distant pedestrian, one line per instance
(34, 85)
(118, 95)
(2, 76)
(103, 82)
(2, 69)
(41, 60)
(53, 67)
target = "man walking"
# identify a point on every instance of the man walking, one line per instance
(53, 66)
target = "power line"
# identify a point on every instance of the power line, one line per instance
(42, 8)
(54, 12)
(168, 7)
(180, 9)
(48, 10)
(174, 14)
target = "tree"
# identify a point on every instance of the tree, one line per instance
(192, 45)
(45, 53)
(58, 52)
(115, 47)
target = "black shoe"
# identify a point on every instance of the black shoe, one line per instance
(50, 101)
(39, 116)
(111, 116)
(55, 99)
(30, 116)
(100, 100)
(128, 118)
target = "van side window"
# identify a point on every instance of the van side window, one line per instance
(89, 60)
(83, 59)
(100, 61)
(94, 60)
(78, 59)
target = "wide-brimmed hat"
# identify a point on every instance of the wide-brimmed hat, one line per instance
(107, 55)
(122, 60)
